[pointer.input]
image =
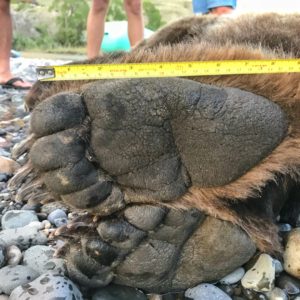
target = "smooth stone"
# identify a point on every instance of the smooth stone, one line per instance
(261, 276)
(278, 266)
(47, 224)
(2, 256)
(233, 277)
(48, 286)
(40, 259)
(4, 297)
(277, 294)
(15, 276)
(206, 291)
(56, 214)
(284, 227)
(118, 292)
(36, 207)
(60, 222)
(228, 289)
(291, 256)
(4, 177)
(17, 218)
(48, 208)
(288, 283)
(14, 255)
(23, 237)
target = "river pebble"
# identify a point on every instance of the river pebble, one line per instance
(206, 291)
(2, 256)
(261, 276)
(14, 276)
(277, 294)
(117, 292)
(14, 255)
(288, 283)
(233, 277)
(291, 255)
(17, 218)
(48, 286)
(40, 258)
(23, 237)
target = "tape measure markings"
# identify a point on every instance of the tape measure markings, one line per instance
(167, 69)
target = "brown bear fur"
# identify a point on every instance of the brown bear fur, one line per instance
(267, 36)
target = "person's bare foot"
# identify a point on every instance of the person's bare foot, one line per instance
(10, 81)
(221, 10)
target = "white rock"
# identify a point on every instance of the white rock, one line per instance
(47, 287)
(261, 276)
(291, 256)
(47, 224)
(14, 276)
(206, 291)
(17, 218)
(37, 224)
(233, 277)
(277, 294)
(14, 255)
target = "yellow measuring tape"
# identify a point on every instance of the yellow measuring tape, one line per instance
(167, 69)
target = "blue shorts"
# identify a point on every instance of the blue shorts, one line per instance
(203, 6)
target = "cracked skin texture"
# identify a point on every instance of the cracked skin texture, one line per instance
(182, 178)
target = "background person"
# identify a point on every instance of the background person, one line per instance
(96, 21)
(217, 7)
(7, 80)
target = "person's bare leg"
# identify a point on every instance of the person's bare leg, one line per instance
(95, 26)
(221, 10)
(5, 44)
(134, 13)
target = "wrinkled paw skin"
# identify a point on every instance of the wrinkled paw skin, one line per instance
(151, 248)
(146, 140)
(121, 144)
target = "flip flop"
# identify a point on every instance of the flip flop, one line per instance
(10, 84)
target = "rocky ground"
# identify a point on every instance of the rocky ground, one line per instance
(29, 268)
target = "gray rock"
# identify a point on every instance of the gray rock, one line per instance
(48, 286)
(60, 222)
(2, 256)
(288, 283)
(40, 259)
(14, 276)
(277, 294)
(52, 206)
(284, 227)
(23, 237)
(118, 292)
(17, 218)
(278, 266)
(206, 291)
(233, 277)
(56, 214)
